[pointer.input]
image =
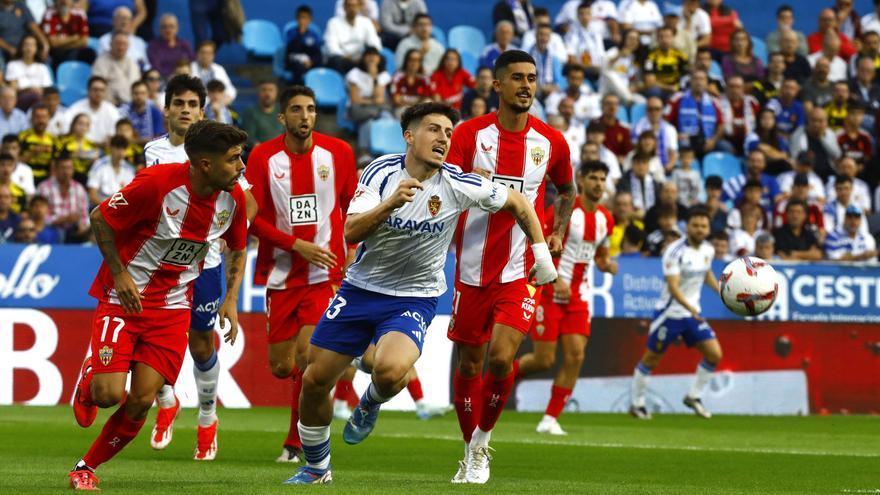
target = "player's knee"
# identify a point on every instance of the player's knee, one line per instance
(574, 357)
(315, 385)
(714, 356)
(137, 404)
(105, 395)
(388, 375)
(281, 369)
(469, 367)
(544, 360)
(500, 364)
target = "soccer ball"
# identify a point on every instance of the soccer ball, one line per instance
(749, 286)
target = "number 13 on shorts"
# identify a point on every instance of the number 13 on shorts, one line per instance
(336, 306)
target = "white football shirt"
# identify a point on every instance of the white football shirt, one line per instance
(406, 254)
(691, 265)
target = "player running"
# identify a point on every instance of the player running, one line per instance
(403, 215)
(154, 236)
(184, 106)
(494, 305)
(687, 264)
(303, 182)
(563, 314)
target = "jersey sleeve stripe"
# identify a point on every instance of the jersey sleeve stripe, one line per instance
(472, 179)
(374, 168)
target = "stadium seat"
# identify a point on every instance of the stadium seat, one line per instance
(261, 38)
(94, 44)
(439, 35)
(623, 114)
(721, 164)
(759, 49)
(715, 71)
(342, 120)
(467, 39)
(328, 85)
(390, 61)
(385, 137)
(278, 65)
(469, 62)
(636, 112)
(72, 78)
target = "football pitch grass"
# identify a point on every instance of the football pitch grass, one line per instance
(602, 454)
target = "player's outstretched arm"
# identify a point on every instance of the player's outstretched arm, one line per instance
(359, 226)
(673, 281)
(712, 281)
(563, 206)
(105, 238)
(235, 261)
(517, 205)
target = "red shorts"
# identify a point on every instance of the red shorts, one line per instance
(475, 310)
(554, 319)
(289, 310)
(156, 337)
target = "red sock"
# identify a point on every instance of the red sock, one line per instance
(117, 432)
(495, 393)
(292, 439)
(414, 387)
(467, 399)
(345, 391)
(558, 398)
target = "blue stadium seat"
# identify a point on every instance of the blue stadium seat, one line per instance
(469, 62)
(715, 71)
(438, 35)
(759, 49)
(622, 114)
(721, 164)
(328, 85)
(637, 111)
(390, 61)
(72, 79)
(467, 39)
(94, 43)
(261, 38)
(385, 137)
(342, 120)
(278, 69)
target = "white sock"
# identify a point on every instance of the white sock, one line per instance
(548, 419)
(639, 385)
(316, 445)
(704, 373)
(480, 438)
(165, 397)
(206, 375)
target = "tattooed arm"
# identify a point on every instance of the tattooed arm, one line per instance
(235, 261)
(525, 216)
(105, 238)
(563, 206)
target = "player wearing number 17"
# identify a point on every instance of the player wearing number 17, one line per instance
(403, 214)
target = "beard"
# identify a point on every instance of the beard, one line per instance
(297, 133)
(518, 109)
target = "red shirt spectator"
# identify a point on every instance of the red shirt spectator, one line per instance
(859, 147)
(75, 25)
(450, 79)
(410, 91)
(724, 21)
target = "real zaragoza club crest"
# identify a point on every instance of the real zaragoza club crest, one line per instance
(434, 205)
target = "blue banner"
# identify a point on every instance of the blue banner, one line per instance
(60, 276)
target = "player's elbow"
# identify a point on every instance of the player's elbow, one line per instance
(351, 232)
(96, 217)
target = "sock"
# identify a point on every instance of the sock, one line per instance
(372, 399)
(639, 384)
(495, 393)
(165, 397)
(558, 398)
(316, 445)
(345, 391)
(414, 387)
(293, 438)
(704, 374)
(206, 375)
(467, 400)
(480, 438)
(117, 432)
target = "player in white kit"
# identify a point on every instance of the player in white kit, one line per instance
(687, 265)
(403, 214)
(184, 105)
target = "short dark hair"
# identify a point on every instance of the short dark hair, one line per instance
(511, 57)
(39, 106)
(293, 91)
(719, 236)
(596, 127)
(593, 166)
(415, 113)
(419, 17)
(753, 183)
(215, 85)
(10, 138)
(714, 182)
(539, 11)
(572, 67)
(123, 121)
(206, 43)
(840, 179)
(207, 137)
(64, 155)
(698, 211)
(139, 82)
(51, 90)
(304, 9)
(37, 198)
(667, 211)
(784, 8)
(182, 83)
(118, 141)
(634, 235)
(797, 202)
(94, 79)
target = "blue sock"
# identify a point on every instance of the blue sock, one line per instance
(643, 369)
(706, 365)
(372, 399)
(316, 445)
(207, 364)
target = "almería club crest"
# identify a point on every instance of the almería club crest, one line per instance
(222, 217)
(537, 154)
(106, 354)
(323, 172)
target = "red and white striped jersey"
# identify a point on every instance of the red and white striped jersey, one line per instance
(588, 231)
(300, 197)
(163, 231)
(490, 246)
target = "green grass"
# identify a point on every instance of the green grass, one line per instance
(603, 454)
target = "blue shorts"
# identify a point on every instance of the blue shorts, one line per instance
(207, 295)
(665, 331)
(357, 317)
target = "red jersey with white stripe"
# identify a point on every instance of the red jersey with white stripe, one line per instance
(588, 231)
(490, 246)
(300, 197)
(163, 231)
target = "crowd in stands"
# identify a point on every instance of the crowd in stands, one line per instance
(775, 136)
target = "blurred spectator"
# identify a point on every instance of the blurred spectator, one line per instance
(794, 241)
(803, 166)
(449, 81)
(643, 16)
(772, 83)
(12, 120)
(617, 134)
(26, 74)
(261, 120)
(420, 39)
(818, 88)
(22, 175)
(721, 242)
(409, 85)
(631, 244)
(741, 60)
(828, 23)
(751, 198)
(102, 15)
(25, 232)
(861, 193)
(477, 107)
(37, 144)
(396, 17)
(367, 90)
(790, 113)
(83, 150)
(574, 132)
(118, 70)
(830, 49)
(871, 22)
(695, 22)
(586, 101)
(102, 114)
(519, 13)
(687, 179)
(739, 113)
(154, 86)
(765, 246)
(717, 210)
(134, 153)
(110, 173)
(697, 116)
(168, 49)
(624, 218)
(17, 197)
(785, 22)
(16, 21)
(9, 220)
(756, 164)
(864, 89)
(725, 23)
(622, 76)
(145, 117)
(667, 199)
(796, 65)
(836, 109)
(123, 23)
(664, 67)
(703, 61)
(482, 89)
(646, 145)
(503, 42)
(207, 22)
(545, 62)
(605, 20)
(67, 30)
(816, 138)
(207, 70)
(585, 46)
(556, 44)
(835, 210)
(57, 111)
(665, 134)
(596, 135)
(68, 201)
(43, 231)
(347, 36)
(848, 19)
(366, 8)
(641, 184)
(851, 242)
(870, 49)
(800, 192)
(666, 228)
(303, 45)
(218, 108)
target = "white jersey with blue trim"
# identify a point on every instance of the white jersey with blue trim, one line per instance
(406, 254)
(691, 265)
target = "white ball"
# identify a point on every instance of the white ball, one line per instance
(749, 286)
